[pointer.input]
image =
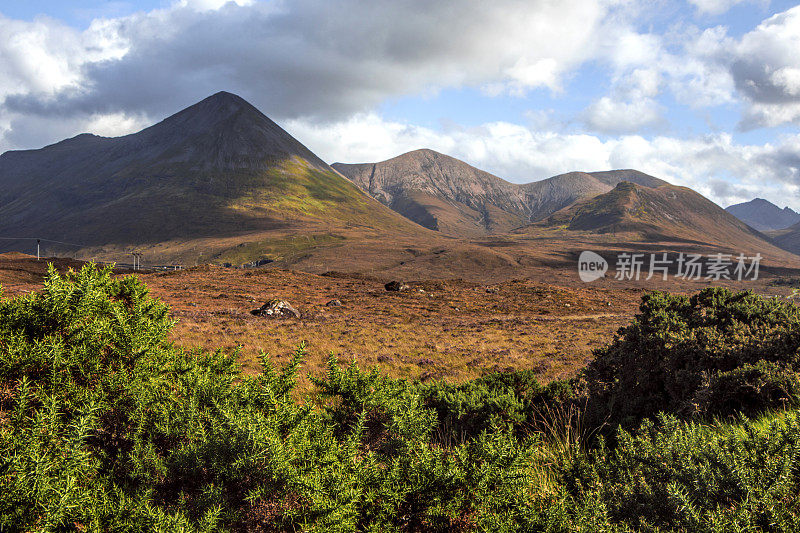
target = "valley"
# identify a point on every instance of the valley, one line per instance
(452, 329)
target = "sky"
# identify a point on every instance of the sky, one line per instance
(702, 93)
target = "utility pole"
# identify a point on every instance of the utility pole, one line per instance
(37, 248)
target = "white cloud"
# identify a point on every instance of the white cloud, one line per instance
(630, 49)
(45, 57)
(699, 72)
(611, 116)
(760, 115)
(766, 69)
(329, 60)
(714, 7)
(686, 63)
(631, 108)
(113, 124)
(527, 74)
(643, 83)
(211, 5)
(301, 58)
(788, 78)
(37, 57)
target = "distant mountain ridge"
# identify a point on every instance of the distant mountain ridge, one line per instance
(215, 169)
(446, 194)
(665, 212)
(220, 181)
(763, 215)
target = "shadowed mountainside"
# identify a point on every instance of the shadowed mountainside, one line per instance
(219, 168)
(663, 212)
(788, 239)
(764, 215)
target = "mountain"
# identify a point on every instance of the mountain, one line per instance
(660, 212)
(764, 215)
(787, 238)
(217, 169)
(547, 196)
(448, 195)
(441, 192)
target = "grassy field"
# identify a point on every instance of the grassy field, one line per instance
(454, 330)
(284, 248)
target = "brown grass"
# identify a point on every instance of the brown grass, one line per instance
(440, 329)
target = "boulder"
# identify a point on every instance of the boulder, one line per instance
(334, 303)
(257, 263)
(277, 309)
(396, 286)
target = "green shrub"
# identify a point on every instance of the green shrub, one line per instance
(501, 399)
(678, 476)
(716, 353)
(106, 426)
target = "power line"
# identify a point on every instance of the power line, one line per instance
(137, 256)
(43, 240)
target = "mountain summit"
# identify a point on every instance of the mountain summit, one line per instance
(226, 131)
(217, 169)
(448, 195)
(763, 215)
(441, 192)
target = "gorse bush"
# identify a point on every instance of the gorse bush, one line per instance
(680, 476)
(106, 426)
(510, 399)
(716, 353)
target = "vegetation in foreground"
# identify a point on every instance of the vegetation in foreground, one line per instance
(106, 426)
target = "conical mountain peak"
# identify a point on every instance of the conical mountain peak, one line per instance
(226, 131)
(218, 106)
(215, 170)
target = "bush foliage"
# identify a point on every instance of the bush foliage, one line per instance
(716, 353)
(107, 426)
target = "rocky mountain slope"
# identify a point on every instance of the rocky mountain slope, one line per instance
(448, 195)
(547, 196)
(441, 192)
